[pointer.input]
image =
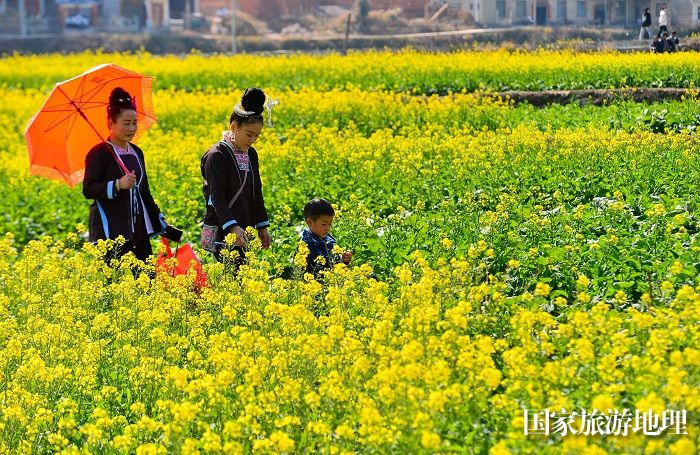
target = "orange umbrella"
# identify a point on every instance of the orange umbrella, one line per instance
(74, 118)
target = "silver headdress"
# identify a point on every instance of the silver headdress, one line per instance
(238, 109)
(269, 105)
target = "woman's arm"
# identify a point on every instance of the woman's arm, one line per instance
(215, 175)
(95, 183)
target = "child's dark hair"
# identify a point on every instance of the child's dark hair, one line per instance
(318, 207)
(250, 109)
(119, 101)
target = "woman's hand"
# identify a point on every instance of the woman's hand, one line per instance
(128, 181)
(264, 238)
(240, 236)
(346, 256)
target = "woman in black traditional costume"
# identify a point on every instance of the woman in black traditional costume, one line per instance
(115, 177)
(232, 187)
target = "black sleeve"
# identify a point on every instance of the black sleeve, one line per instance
(215, 175)
(95, 184)
(260, 216)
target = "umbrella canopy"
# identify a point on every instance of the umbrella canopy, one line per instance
(74, 118)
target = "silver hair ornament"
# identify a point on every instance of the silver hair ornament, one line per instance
(238, 109)
(269, 105)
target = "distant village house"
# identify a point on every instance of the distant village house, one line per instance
(153, 15)
(682, 13)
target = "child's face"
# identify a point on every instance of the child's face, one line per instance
(321, 226)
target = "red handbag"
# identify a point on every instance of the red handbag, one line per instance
(184, 255)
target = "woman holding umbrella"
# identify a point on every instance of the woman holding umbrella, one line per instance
(115, 177)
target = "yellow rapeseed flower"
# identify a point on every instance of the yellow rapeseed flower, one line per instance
(542, 289)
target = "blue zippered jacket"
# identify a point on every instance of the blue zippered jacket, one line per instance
(319, 247)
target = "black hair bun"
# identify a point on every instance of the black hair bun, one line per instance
(120, 98)
(253, 100)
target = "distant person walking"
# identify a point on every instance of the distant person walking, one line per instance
(676, 41)
(670, 43)
(645, 32)
(663, 21)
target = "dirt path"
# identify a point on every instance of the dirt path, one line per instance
(595, 97)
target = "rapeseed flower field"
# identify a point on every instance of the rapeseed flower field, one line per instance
(506, 259)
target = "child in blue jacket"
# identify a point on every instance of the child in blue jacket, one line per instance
(319, 214)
